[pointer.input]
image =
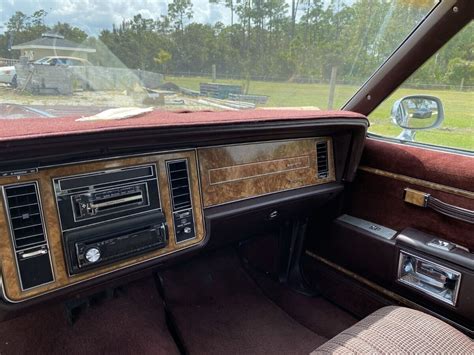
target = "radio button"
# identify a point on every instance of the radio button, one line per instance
(93, 255)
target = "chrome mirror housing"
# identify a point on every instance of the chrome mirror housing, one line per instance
(417, 112)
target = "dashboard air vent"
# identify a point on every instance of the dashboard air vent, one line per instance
(179, 183)
(25, 215)
(322, 159)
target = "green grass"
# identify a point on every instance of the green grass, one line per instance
(457, 130)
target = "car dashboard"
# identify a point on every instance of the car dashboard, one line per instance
(70, 224)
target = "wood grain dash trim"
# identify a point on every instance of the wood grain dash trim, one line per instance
(242, 171)
(419, 182)
(253, 170)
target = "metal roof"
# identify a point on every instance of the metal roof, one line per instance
(54, 42)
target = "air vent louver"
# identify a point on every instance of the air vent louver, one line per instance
(322, 159)
(25, 215)
(179, 184)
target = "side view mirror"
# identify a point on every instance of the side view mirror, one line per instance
(418, 112)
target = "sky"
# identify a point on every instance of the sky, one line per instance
(95, 15)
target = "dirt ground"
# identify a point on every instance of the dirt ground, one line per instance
(84, 98)
(96, 101)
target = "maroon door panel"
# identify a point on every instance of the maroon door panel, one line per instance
(387, 169)
(453, 170)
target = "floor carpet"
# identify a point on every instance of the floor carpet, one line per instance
(132, 323)
(314, 312)
(219, 309)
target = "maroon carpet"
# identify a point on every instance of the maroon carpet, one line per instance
(315, 313)
(219, 309)
(132, 323)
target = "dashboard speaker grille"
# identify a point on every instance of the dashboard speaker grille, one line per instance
(179, 184)
(25, 215)
(322, 159)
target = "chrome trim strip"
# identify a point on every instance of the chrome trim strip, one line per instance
(108, 171)
(118, 201)
(34, 253)
(112, 212)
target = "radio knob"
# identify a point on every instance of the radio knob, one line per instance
(93, 255)
(187, 230)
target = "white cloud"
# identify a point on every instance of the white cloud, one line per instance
(95, 15)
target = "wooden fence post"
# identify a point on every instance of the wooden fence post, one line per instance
(332, 87)
(214, 73)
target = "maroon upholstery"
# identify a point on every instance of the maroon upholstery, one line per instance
(444, 168)
(40, 127)
(380, 199)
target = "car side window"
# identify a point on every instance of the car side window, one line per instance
(436, 104)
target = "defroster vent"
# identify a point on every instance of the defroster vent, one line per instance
(322, 159)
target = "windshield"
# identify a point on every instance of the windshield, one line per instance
(194, 55)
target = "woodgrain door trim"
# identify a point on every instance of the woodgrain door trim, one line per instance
(419, 182)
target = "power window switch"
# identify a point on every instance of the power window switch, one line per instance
(441, 244)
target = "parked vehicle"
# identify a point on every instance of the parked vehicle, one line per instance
(67, 61)
(8, 74)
